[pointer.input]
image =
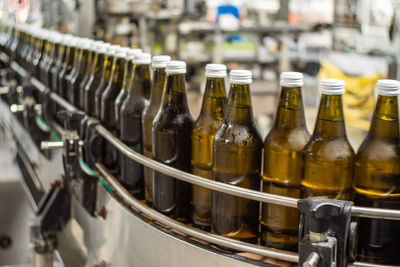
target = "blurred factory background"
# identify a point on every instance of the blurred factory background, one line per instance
(358, 41)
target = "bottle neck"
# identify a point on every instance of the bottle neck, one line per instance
(385, 122)
(117, 71)
(84, 62)
(107, 68)
(239, 108)
(330, 120)
(214, 98)
(128, 66)
(140, 80)
(290, 113)
(157, 86)
(174, 95)
(71, 52)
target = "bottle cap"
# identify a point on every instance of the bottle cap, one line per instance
(134, 51)
(292, 79)
(160, 61)
(215, 71)
(388, 87)
(176, 67)
(240, 77)
(142, 59)
(124, 49)
(119, 54)
(96, 45)
(332, 87)
(112, 49)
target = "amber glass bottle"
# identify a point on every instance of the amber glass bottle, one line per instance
(95, 78)
(77, 76)
(237, 161)
(87, 71)
(172, 128)
(328, 156)
(159, 63)
(105, 78)
(208, 122)
(66, 67)
(123, 93)
(61, 60)
(52, 61)
(75, 67)
(38, 55)
(377, 178)
(107, 116)
(131, 123)
(283, 163)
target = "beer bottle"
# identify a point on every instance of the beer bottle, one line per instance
(159, 63)
(105, 78)
(38, 55)
(52, 61)
(77, 76)
(87, 67)
(60, 60)
(75, 67)
(131, 123)
(328, 156)
(172, 128)
(45, 57)
(208, 122)
(95, 78)
(237, 161)
(123, 93)
(283, 163)
(107, 111)
(66, 66)
(377, 179)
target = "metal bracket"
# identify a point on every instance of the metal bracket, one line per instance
(52, 215)
(325, 238)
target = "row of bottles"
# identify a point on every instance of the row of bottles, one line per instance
(152, 117)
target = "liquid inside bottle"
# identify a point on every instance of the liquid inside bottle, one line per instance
(208, 122)
(159, 63)
(283, 164)
(172, 128)
(237, 161)
(328, 156)
(377, 179)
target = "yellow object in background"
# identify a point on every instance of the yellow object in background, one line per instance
(359, 99)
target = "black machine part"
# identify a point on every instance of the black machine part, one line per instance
(325, 228)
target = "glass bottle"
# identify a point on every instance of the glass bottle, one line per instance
(377, 178)
(208, 122)
(283, 163)
(61, 59)
(52, 60)
(123, 93)
(66, 66)
(172, 128)
(237, 161)
(105, 78)
(87, 71)
(80, 70)
(75, 67)
(159, 63)
(131, 123)
(328, 156)
(96, 75)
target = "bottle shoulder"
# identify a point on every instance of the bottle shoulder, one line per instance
(330, 150)
(166, 119)
(134, 104)
(243, 135)
(379, 150)
(287, 139)
(206, 124)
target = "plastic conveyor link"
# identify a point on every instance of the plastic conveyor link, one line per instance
(231, 189)
(190, 231)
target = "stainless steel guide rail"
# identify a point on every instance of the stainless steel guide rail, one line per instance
(209, 184)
